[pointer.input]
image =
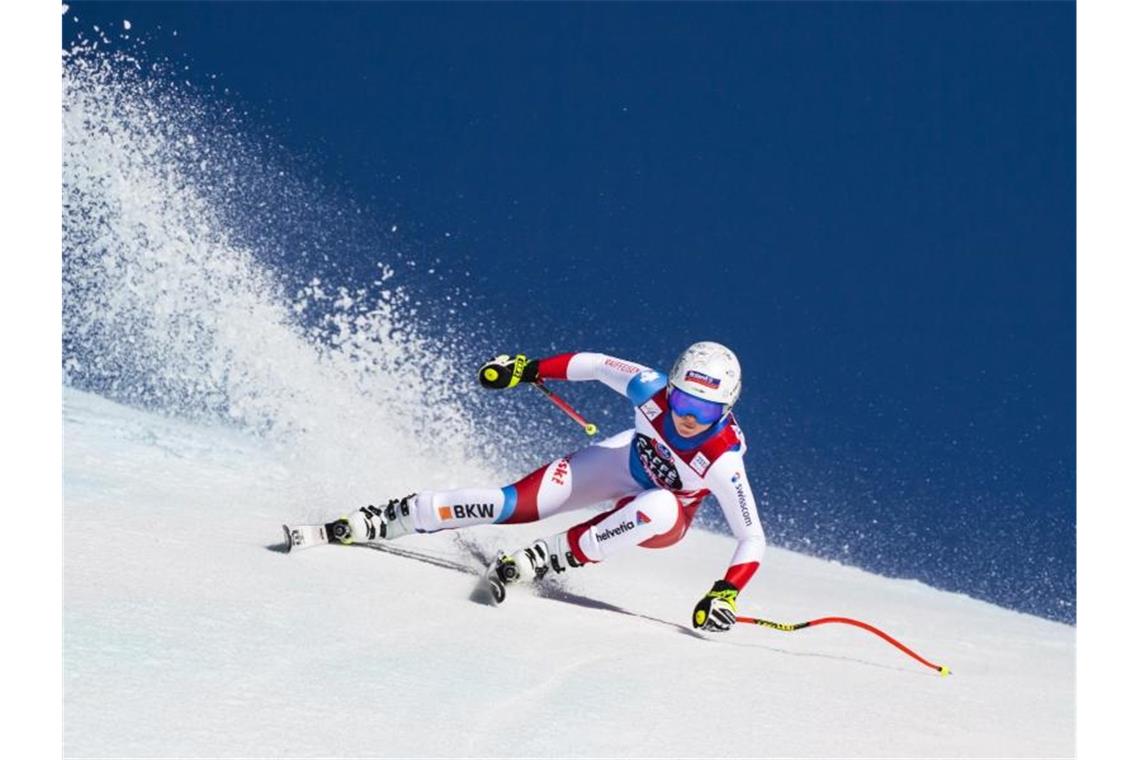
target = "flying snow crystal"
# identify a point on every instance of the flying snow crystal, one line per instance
(126, 25)
(171, 302)
(64, 9)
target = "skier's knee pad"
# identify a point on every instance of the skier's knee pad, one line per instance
(658, 507)
(670, 516)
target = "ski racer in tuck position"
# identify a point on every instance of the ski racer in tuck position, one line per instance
(684, 445)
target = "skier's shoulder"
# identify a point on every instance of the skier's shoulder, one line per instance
(644, 385)
(737, 432)
(727, 471)
(728, 442)
(729, 455)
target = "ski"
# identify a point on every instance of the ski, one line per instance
(306, 536)
(492, 585)
(490, 590)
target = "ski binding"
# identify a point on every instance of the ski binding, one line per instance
(307, 536)
(492, 586)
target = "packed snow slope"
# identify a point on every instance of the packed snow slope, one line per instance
(189, 633)
(196, 281)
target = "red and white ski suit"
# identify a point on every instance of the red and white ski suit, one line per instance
(657, 478)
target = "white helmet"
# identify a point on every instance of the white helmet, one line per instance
(710, 371)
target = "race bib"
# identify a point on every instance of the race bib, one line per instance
(658, 462)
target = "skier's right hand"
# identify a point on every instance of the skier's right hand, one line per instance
(505, 372)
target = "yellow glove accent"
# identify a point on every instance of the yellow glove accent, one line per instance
(520, 365)
(503, 372)
(728, 595)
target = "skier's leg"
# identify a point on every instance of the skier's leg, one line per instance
(654, 519)
(588, 476)
(591, 475)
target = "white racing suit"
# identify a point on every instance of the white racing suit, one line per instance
(656, 477)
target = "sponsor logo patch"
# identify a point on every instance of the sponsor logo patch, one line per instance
(460, 511)
(700, 378)
(561, 470)
(741, 501)
(652, 411)
(609, 533)
(621, 366)
(701, 463)
(660, 470)
(642, 518)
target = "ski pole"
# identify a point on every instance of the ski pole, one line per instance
(942, 669)
(557, 400)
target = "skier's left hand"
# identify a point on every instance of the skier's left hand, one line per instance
(716, 612)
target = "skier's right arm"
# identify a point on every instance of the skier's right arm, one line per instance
(505, 372)
(635, 381)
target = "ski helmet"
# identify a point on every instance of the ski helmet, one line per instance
(708, 371)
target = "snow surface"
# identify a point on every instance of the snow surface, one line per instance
(188, 633)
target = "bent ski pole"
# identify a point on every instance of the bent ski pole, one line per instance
(942, 669)
(589, 427)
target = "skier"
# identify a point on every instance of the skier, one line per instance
(685, 444)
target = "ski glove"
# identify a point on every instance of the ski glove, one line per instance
(505, 372)
(717, 610)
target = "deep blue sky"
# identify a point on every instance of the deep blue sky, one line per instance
(873, 203)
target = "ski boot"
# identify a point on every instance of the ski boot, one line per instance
(527, 565)
(374, 523)
(366, 524)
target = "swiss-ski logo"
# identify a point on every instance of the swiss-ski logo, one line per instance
(700, 378)
(561, 470)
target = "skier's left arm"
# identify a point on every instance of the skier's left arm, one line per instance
(635, 381)
(727, 480)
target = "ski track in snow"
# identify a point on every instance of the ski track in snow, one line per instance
(187, 634)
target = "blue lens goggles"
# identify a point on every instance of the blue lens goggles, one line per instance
(687, 405)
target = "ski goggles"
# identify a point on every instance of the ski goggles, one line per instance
(688, 405)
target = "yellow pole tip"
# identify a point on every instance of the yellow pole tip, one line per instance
(491, 374)
(944, 671)
(591, 429)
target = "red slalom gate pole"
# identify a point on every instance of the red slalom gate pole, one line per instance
(788, 627)
(589, 427)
